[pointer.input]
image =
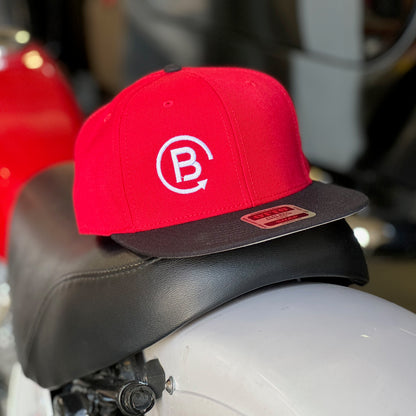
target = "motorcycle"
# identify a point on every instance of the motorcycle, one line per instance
(265, 329)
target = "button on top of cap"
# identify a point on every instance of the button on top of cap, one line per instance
(172, 68)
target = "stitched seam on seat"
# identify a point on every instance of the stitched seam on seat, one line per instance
(71, 277)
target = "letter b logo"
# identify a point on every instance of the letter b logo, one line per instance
(185, 164)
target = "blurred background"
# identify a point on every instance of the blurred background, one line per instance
(348, 65)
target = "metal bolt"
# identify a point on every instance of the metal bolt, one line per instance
(135, 398)
(170, 385)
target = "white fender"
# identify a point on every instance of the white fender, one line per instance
(306, 349)
(25, 397)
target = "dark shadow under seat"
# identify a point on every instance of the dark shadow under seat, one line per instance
(82, 303)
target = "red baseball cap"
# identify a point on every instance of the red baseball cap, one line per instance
(193, 161)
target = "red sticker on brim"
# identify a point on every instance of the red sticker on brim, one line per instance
(277, 216)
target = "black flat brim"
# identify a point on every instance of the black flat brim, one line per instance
(322, 203)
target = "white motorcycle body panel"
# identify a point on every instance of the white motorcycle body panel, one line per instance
(308, 349)
(25, 397)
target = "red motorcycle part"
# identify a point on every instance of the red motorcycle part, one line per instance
(39, 121)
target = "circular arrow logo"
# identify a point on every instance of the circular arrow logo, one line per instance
(184, 162)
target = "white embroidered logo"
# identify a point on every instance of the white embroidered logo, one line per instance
(190, 161)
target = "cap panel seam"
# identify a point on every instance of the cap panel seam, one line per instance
(126, 186)
(240, 145)
(247, 192)
(274, 197)
(183, 217)
(287, 192)
(278, 195)
(243, 154)
(296, 124)
(293, 188)
(121, 169)
(235, 125)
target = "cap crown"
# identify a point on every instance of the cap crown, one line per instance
(182, 146)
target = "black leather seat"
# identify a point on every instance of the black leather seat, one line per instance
(81, 303)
